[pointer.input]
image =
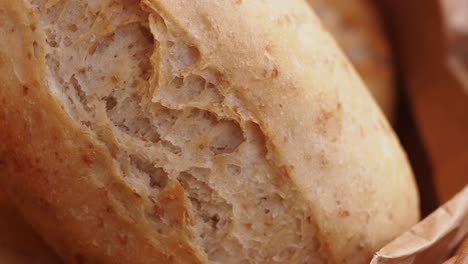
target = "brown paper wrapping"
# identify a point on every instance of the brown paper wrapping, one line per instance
(433, 239)
(461, 256)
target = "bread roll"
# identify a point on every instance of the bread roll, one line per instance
(357, 28)
(19, 244)
(194, 131)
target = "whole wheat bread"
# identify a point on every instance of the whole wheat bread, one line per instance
(198, 131)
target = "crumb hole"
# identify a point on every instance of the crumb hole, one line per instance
(158, 178)
(111, 102)
(228, 137)
(233, 169)
(171, 147)
(72, 28)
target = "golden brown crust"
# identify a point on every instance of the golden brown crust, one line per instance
(19, 244)
(357, 28)
(321, 130)
(70, 191)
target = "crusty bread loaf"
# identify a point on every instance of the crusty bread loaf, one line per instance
(357, 29)
(194, 131)
(19, 244)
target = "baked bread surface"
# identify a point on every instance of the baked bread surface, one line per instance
(19, 244)
(194, 132)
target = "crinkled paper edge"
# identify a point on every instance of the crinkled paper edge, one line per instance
(444, 229)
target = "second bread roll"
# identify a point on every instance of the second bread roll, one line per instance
(356, 26)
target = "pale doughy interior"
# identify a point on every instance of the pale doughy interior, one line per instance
(137, 84)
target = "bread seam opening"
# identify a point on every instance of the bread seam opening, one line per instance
(141, 89)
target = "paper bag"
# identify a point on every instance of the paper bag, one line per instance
(434, 239)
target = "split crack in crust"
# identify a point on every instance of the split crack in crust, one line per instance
(171, 123)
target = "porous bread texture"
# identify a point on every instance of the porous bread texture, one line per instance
(139, 86)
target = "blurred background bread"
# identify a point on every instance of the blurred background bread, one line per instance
(356, 26)
(437, 97)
